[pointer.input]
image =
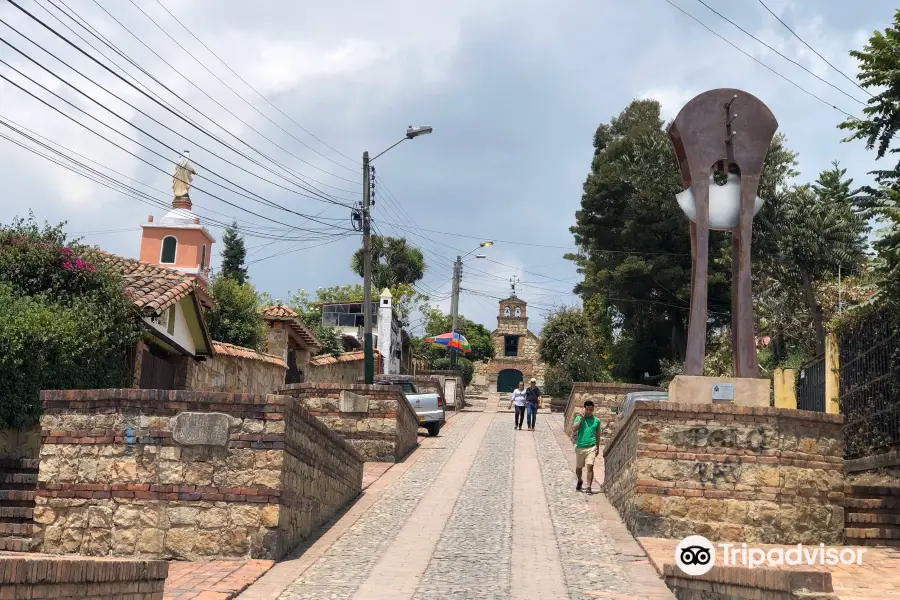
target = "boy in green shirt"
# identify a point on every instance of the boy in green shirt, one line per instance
(586, 445)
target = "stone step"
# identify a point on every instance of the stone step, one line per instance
(17, 496)
(17, 465)
(872, 533)
(18, 480)
(884, 520)
(16, 513)
(871, 542)
(871, 491)
(15, 544)
(22, 530)
(892, 503)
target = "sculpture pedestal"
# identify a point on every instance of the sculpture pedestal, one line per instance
(742, 391)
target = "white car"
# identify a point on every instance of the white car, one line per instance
(429, 408)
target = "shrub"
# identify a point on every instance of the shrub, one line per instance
(557, 382)
(462, 364)
(65, 322)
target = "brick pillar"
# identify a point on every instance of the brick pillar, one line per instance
(138, 359)
(184, 372)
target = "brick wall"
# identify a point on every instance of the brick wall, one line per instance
(385, 431)
(605, 396)
(443, 376)
(237, 370)
(37, 577)
(116, 479)
(765, 475)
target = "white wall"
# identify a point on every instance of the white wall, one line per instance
(182, 335)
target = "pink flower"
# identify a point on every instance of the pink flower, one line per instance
(79, 264)
(91, 268)
(67, 266)
(66, 251)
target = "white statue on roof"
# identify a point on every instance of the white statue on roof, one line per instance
(184, 175)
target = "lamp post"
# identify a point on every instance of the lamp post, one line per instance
(369, 363)
(457, 277)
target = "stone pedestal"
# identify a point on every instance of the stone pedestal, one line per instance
(688, 389)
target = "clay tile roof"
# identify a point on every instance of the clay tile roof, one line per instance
(279, 312)
(330, 359)
(241, 352)
(152, 288)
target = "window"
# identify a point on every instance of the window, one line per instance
(203, 258)
(518, 312)
(169, 246)
(510, 345)
(170, 325)
(506, 312)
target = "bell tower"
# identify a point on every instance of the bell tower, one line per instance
(178, 240)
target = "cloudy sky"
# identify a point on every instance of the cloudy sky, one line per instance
(513, 89)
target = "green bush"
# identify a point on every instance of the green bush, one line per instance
(236, 319)
(462, 364)
(557, 382)
(65, 322)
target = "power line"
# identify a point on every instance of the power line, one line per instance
(128, 122)
(154, 97)
(779, 53)
(202, 91)
(258, 93)
(753, 58)
(794, 33)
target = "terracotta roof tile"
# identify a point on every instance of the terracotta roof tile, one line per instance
(241, 352)
(152, 288)
(330, 359)
(279, 312)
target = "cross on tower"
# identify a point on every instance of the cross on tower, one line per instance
(512, 283)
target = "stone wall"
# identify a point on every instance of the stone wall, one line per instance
(237, 370)
(443, 376)
(38, 577)
(346, 368)
(186, 475)
(729, 473)
(605, 396)
(377, 420)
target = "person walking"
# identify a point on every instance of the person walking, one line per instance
(532, 402)
(518, 399)
(587, 447)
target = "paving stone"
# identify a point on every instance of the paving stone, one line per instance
(350, 561)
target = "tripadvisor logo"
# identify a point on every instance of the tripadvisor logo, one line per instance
(695, 555)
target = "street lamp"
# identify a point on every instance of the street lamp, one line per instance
(457, 276)
(369, 363)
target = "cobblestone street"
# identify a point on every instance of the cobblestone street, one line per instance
(482, 511)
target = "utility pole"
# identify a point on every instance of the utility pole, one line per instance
(369, 360)
(454, 302)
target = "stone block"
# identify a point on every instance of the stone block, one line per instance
(688, 389)
(202, 429)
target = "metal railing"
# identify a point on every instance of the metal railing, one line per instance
(811, 385)
(870, 385)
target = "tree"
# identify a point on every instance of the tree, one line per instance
(233, 255)
(879, 63)
(479, 337)
(814, 230)
(634, 242)
(65, 320)
(236, 318)
(394, 262)
(572, 351)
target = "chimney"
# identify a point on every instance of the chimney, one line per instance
(196, 220)
(150, 219)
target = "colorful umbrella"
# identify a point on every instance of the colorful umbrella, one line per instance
(453, 341)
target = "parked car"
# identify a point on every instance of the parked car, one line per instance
(429, 408)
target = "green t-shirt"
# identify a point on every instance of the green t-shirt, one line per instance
(587, 431)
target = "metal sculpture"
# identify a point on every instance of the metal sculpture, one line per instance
(724, 131)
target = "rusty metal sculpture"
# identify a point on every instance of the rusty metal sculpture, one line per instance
(726, 131)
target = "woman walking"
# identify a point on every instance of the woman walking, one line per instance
(518, 398)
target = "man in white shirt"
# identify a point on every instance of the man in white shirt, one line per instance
(518, 399)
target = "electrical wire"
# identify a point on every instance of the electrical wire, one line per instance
(750, 56)
(794, 33)
(720, 15)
